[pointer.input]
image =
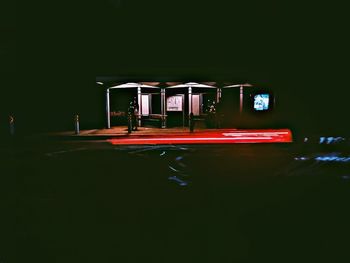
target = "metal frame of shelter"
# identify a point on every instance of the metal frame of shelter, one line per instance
(191, 85)
(241, 87)
(139, 86)
(188, 85)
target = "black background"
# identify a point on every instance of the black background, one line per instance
(52, 52)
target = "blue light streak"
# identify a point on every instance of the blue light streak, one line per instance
(330, 140)
(332, 157)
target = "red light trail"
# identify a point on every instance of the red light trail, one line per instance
(216, 137)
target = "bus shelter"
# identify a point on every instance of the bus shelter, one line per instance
(143, 93)
(184, 99)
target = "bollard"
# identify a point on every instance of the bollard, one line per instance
(191, 122)
(76, 119)
(129, 122)
(12, 125)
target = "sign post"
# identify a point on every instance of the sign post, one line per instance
(176, 103)
(163, 109)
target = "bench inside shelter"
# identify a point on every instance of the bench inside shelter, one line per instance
(152, 120)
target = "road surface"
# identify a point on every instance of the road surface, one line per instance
(92, 201)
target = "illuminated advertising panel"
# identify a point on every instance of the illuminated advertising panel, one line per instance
(261, 102)
(174, 103)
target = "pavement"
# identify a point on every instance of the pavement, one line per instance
(123, 130)
(146, 135)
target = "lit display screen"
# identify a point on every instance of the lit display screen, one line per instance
(261, 102)
(174, 103)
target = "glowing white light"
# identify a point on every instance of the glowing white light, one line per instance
(301, 158)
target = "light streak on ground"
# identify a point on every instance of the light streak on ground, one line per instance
(215, 137)
(65, 151)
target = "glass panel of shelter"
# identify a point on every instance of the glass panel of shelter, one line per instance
(196, 104)
(146, 103)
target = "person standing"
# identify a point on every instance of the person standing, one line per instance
(130, 117)
(212, 115)
(135, 107)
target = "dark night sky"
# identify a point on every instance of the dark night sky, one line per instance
(298, 49)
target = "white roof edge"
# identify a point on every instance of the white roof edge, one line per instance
(132, 85)
(239, 85)
(191, 84)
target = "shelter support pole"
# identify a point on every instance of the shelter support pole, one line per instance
(139, 102)
(108, 110)
(189, 102)
(241, 99)
(218, 94)
(162, 105)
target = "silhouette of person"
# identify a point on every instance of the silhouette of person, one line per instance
(135, 108)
